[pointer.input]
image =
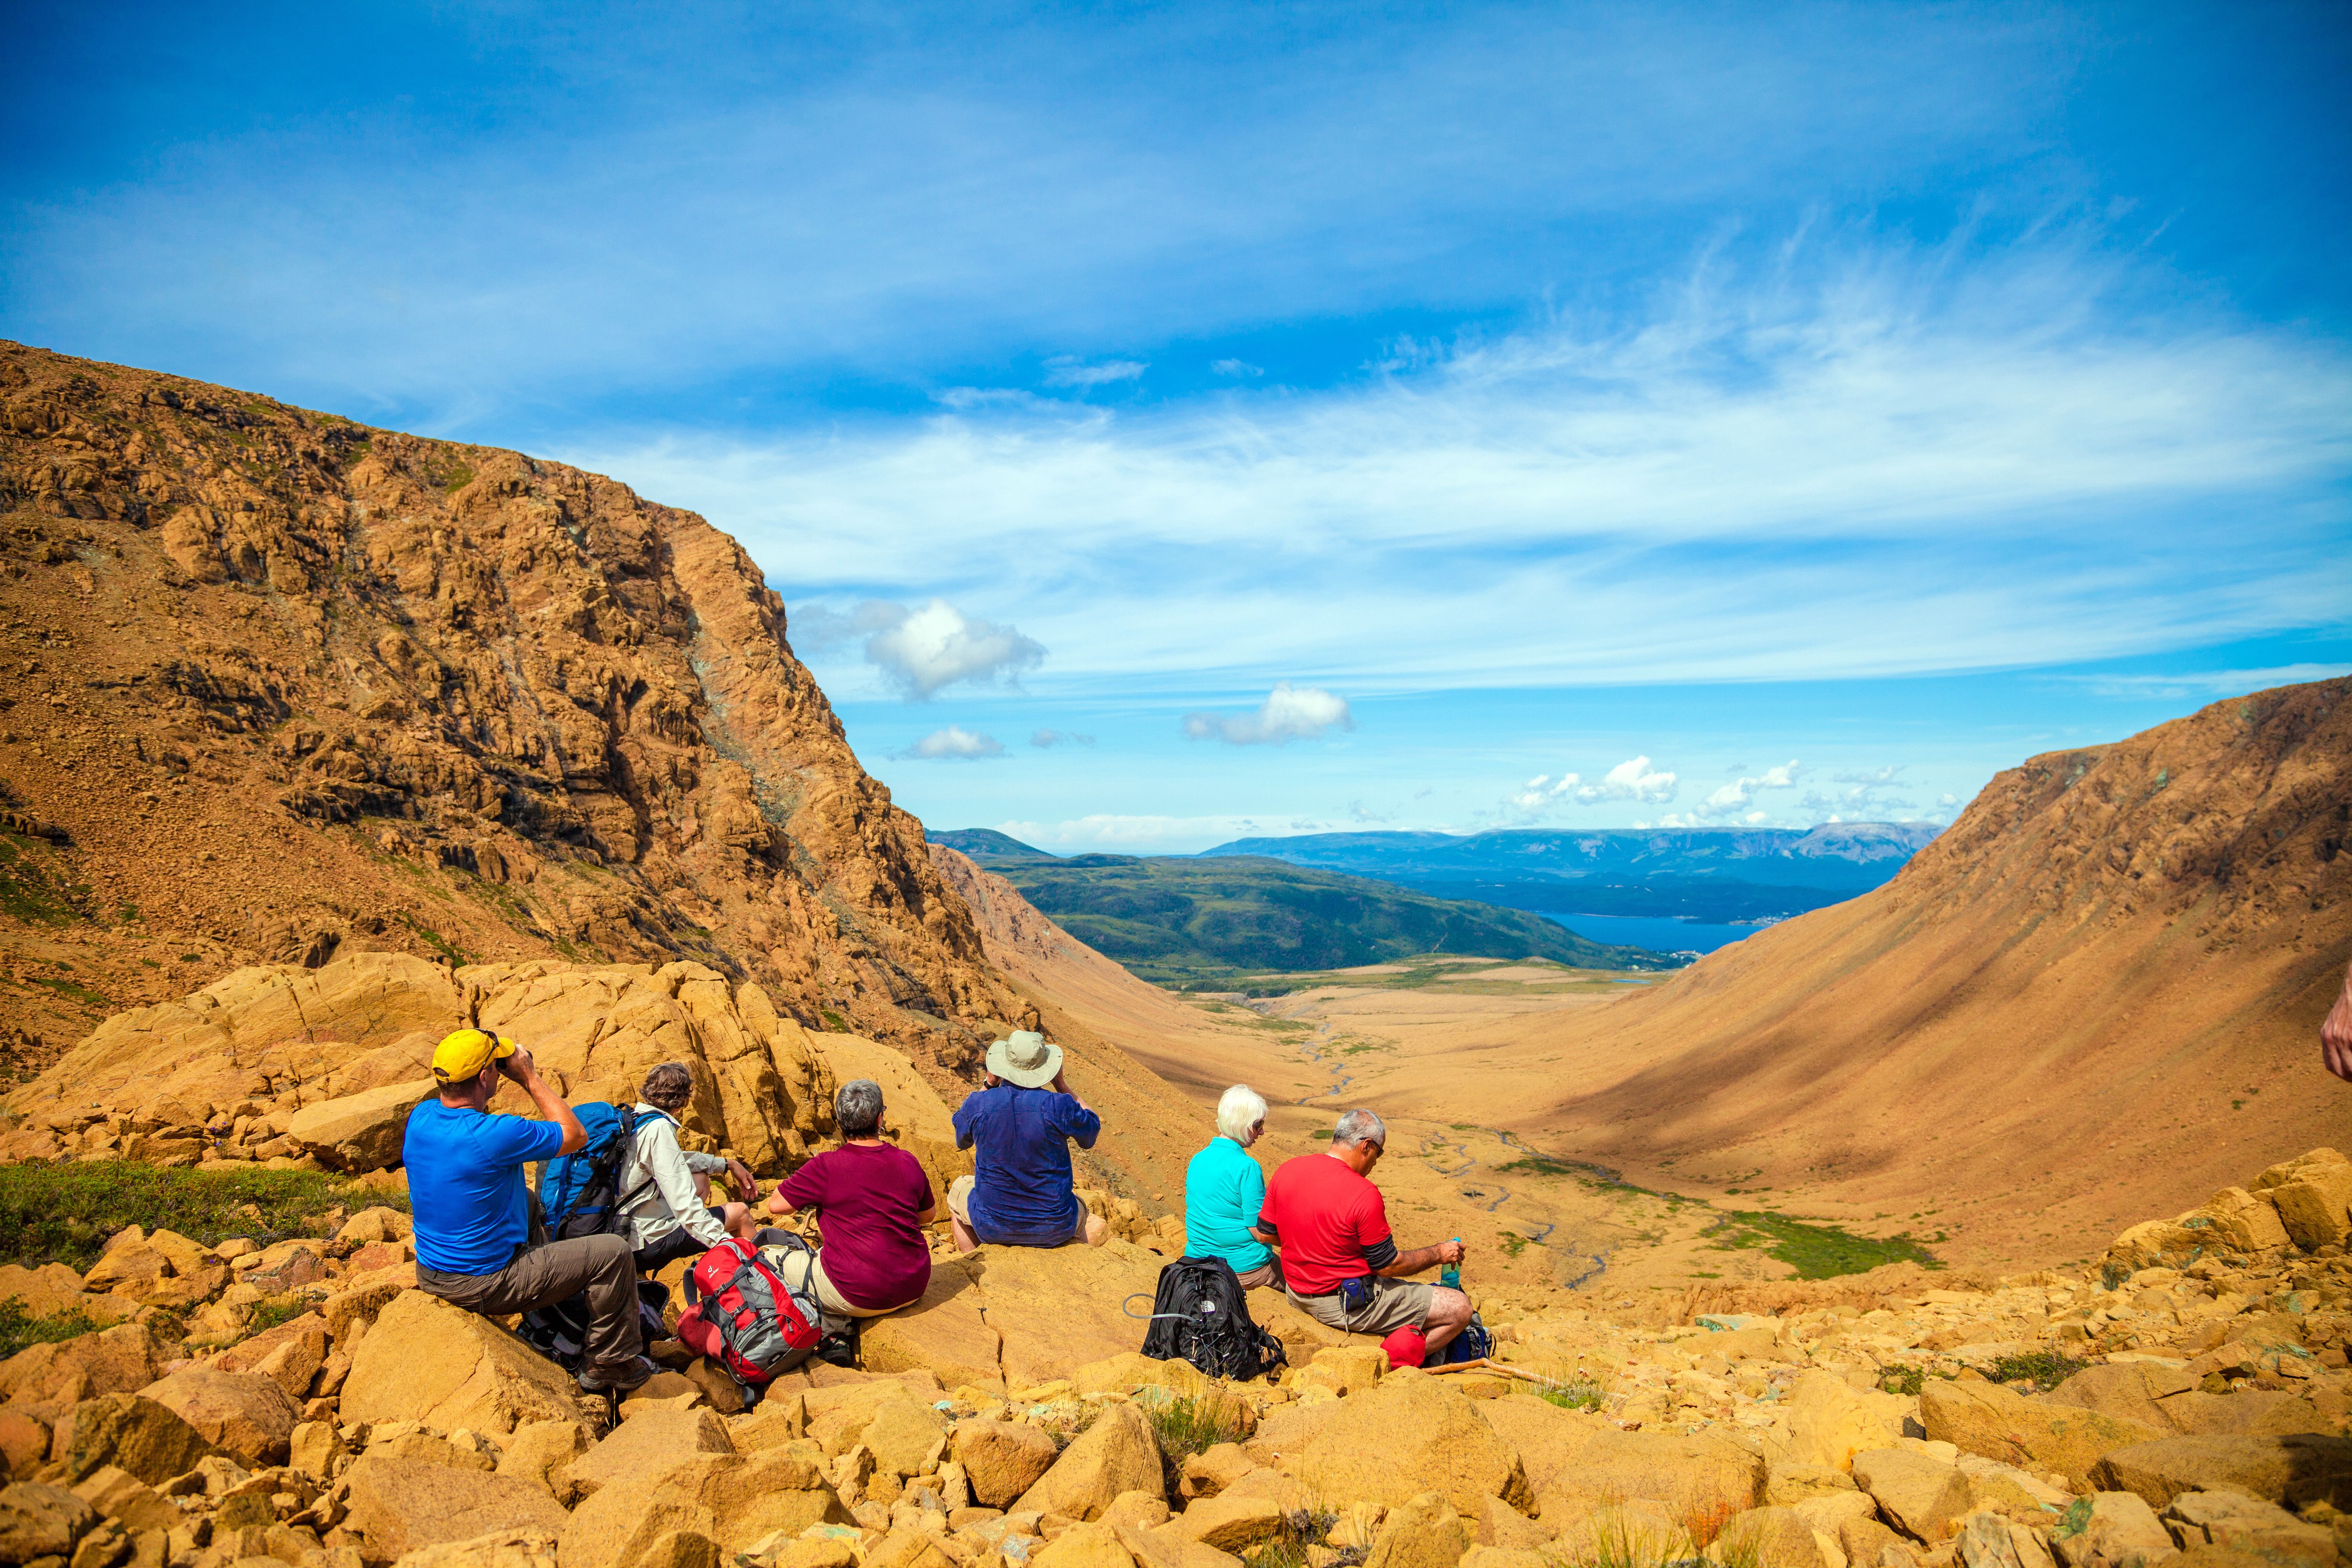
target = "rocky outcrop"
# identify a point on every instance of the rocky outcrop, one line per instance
(309, 687)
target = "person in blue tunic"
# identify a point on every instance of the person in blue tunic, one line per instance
(1225, 1187)
(1019, 1127)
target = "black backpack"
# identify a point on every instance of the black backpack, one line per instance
(1199, 1315)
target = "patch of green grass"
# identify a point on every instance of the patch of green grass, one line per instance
(1194, 1426)
(28, 893)
(1302, 1527)
(1513, 1244)
(1815, 1252)
(833, 1022)
(434, 940)
(268, 1315)
(1578, 1394)
(64, 1213)
(2044, 1368)
(1906, 1379)
(20, 1330)
(81, 993)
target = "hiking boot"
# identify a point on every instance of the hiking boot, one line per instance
(627, 1375)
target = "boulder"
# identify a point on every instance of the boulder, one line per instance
(1167, 1547)
(290, 1355)
(129, 1432)
(1413, 1434)
(1574, 1460)
(360, 1131)
(25, 1443)
(2289, 1470)
(2222, 1517)
(530, 1547)
(53, 1289)
(2109, 1530)
(1131, 1369)
(903, 1435)
(945, 1331)
(120, 1359)
(1423, 1531)
(1919, 1494)
(1779, 1536)
(376, 1223)
(1212, 1471)
(426, 1360)
(123, 1497)
(38, 1522)
(735, 1500)
(1056, 1308)
(646, 1445)
(1998, 1423)
(1118, 1454)
(1342, 1369)
(1234, 1522)
(397, 1506)
(536, 1451)
(1080, 1546)
(240, 1413)
(2242, 1221)
(1830, 1421)
(1135, 1511)
(1867, 1542)
(317, 1448)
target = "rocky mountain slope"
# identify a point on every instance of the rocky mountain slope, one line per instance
(277, 685)
(2097, 991)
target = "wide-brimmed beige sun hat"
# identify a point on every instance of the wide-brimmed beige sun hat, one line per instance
(1028, 1058)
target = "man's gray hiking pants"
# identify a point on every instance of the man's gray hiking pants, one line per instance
(548, 1272)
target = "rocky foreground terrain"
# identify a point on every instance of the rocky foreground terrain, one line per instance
(300, 1403)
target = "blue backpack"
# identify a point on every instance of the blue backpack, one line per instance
(576, 1191)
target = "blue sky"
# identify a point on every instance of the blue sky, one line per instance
(1302, 417)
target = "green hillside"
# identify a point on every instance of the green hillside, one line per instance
(1178, 920)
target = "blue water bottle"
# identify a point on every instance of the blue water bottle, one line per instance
(1450, 1275)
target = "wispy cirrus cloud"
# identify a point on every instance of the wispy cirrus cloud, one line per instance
(1867, 461)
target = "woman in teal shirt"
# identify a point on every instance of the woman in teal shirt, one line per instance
(1224, 1190)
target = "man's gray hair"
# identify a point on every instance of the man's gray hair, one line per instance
(1239, 1109)
(1361, 1127)
(858, 1107)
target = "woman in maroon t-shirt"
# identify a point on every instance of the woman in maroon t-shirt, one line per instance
(872, 1201)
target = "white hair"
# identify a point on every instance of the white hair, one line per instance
(1360, 1127)
(1239, 1110)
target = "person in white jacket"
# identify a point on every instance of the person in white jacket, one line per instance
(665, 1190)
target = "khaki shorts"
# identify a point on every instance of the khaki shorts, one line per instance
(805, 1271)
(959, 1205)
(1396, 1304)
(1267, 1276)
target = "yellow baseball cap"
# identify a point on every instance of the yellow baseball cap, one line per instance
(460, 1055)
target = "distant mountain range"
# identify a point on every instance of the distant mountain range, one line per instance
(1711, 874)
(1185, 921)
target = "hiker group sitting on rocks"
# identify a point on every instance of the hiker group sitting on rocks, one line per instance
(483, 1241)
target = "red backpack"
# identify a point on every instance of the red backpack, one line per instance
(749, 1320)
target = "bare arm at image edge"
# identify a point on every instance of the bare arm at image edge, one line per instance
(2335, 1034)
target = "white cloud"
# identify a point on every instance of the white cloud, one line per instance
(1869, 462)
(1289, 713)
(1633, 779)
(1070, 373)
(1236, 367)
(1732, 797)
(923, 649)
(1044, 740)
(956, 743)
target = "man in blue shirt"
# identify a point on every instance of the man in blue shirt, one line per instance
(481, 1242)
(1022, 1194)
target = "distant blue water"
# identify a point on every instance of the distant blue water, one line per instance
(1659, 934)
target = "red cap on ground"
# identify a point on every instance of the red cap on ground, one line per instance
(1405, 1347)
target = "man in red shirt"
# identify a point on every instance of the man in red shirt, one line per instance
(1340, 1264)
